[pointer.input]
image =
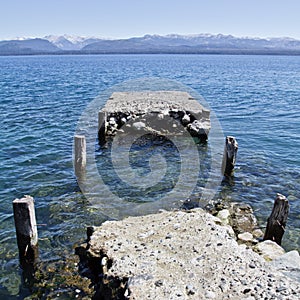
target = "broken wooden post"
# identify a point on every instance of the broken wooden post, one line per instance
(26, 229)
(277, 220)
(79, 155)
(229, 157)
(102, 124)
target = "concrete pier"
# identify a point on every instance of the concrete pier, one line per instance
(160, 112)
(180, 255)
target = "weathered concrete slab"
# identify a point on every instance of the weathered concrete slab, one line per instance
(143, 102)
(160, 112)
(181, 255)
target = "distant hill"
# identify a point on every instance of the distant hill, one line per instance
(202, 43)
(173, 43)
(27, 47)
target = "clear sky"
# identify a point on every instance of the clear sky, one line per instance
(127, 18)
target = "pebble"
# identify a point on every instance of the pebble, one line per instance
(245, 237)
(224, 215)
(186, 119)
(159, 283)
(210, 295)
(190, 290)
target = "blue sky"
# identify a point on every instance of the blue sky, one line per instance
(127, 18)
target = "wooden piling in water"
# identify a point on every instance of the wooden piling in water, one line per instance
(79, 155)
(102, 127)
(26, 229)
(229, 157)
(277, 220)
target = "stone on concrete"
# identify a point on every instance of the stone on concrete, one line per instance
(245, 237)
(269, 250)
(224, 216)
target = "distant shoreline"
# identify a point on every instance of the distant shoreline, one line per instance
(152, 44)
(146, 52)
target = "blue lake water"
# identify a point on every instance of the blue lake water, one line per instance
(256, 99)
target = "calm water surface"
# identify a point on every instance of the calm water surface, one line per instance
(256, 98)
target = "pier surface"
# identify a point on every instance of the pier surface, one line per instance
(181, 255)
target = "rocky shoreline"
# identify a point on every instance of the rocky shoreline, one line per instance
(189, 254)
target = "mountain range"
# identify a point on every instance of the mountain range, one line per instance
(172, 43)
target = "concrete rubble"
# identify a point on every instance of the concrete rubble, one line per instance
(181, 255)
(160, 112)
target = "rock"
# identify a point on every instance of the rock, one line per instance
(242, 218)
(258, 233)
(289, 264)
(112, 121)
(224, 215)
(269, 250)
(139, 125)
(190, 290)
(230, 231)
(123, 120)
(160, 116)
(185, 119)
(196, 128)
(245, 237)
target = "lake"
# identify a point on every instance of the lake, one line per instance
(255, 98)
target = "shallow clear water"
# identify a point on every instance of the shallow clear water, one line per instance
(256, 98)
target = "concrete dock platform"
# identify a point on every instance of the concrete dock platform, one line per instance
(160, 113)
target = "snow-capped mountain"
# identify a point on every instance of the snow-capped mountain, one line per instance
(171, 43)
(71, 42)
(198, 43)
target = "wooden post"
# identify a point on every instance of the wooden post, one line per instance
(79, 155)
(26, 229)
(277, 220)
(229, 157)
(102, 124)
